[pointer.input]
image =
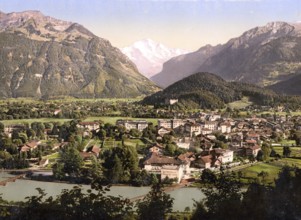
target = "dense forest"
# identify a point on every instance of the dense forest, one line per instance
(206, 90)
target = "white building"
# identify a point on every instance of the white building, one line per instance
(130, 124)
(172, 172)
(225, 128)
(211, 125)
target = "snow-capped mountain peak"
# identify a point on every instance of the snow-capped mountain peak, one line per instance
(149, 55)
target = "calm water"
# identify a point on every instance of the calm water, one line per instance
(17, 191)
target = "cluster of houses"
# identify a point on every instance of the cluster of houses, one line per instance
(198, 135)
(242, 137)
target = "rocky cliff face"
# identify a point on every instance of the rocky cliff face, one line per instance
(263, 55)
(41, 56)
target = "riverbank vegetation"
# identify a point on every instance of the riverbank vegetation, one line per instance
(224, 196)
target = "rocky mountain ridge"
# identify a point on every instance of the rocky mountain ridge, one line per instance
(44, 57)
(263, 56)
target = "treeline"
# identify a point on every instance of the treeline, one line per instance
(76, 109)
(225, 198)
(206, 90)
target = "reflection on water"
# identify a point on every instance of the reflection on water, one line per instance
(17, 191)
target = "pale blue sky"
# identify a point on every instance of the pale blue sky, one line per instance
(187, 24)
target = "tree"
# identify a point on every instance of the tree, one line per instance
(220, 144)
(135, 133)
(170, 149)
(1, 127)
(266, 151)
(76, 204)
(223, 198)
(255, 203)
(208, 176)
(263, 176)
(30, 133)
(117, 170)
(297, 137)
(155, 205)
(126, 158)
(58, 171)
(286, 151)
(102, 134)
(72, 161)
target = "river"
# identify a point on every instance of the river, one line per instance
(18, 190)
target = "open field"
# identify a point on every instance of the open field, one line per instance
(133, 142)
(111, 120)
(272, 168)
(252, 172)
(290, 162)
(29, 121)
(296, 151)
(244, 102)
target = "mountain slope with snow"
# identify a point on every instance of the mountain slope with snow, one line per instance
(149, 55)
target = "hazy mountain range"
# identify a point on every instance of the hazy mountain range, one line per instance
(41, 56)
(263, 56)
(149, 55)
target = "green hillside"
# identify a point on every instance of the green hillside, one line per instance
(206, 90)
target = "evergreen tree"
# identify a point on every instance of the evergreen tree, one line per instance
(155, 205)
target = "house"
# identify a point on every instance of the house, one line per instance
(162, 131)
(176, 123)
(224, 155)
(165, 123)
(172, 172)
(157, 148)
(24, 148)
(155, 162)
(94, 150)
(10, 128)
(184, 143)
(170, 123)
(211, 125)
(193, 128)
(57, 111)
(186, 160)
(171, 101)
(213, 117)
(252, 150)
(206, 131)
(205, 142)
(29, 146)
(86, 155)
(225, 128)
(130, 124)
(206, 162)
(253, 136)
(90, 126)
